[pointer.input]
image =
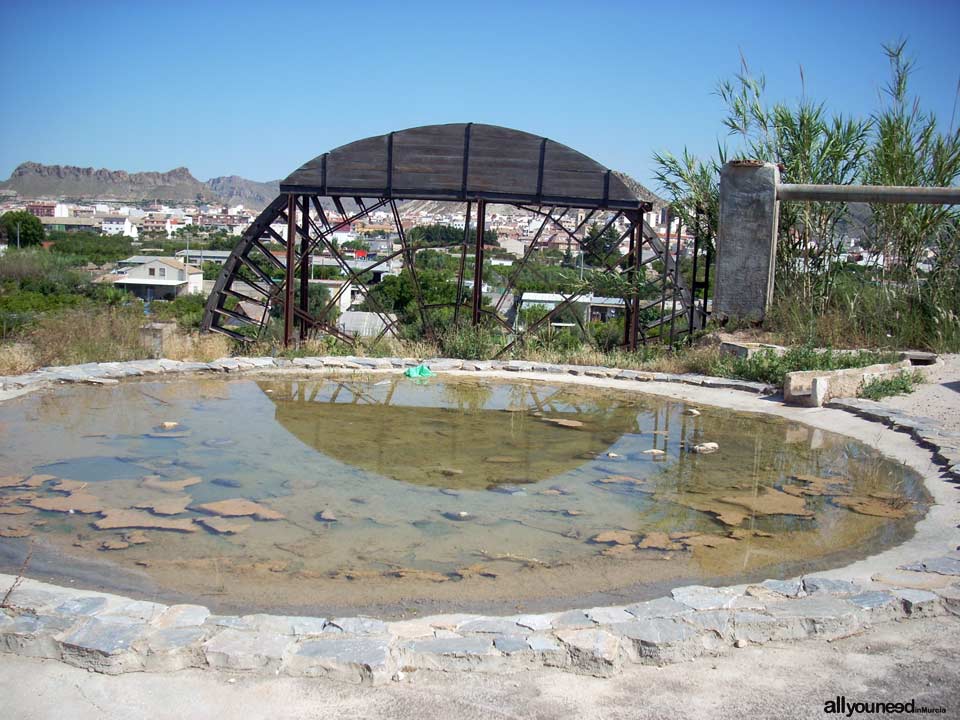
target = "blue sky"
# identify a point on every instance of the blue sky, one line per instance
(256, 89)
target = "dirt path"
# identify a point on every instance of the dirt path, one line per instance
(938, 398)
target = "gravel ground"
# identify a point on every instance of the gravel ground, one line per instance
(938, 398)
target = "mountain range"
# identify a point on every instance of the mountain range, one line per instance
(33, 180)
(68, 182)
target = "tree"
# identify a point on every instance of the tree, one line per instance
(317, 298)
(601, 247)
(446, 236)
(808, 145)
(912, 299)
(211, 270)
(89, 247)
(30, 228)
(909, 151)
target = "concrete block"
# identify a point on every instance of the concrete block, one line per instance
(174, 648)
(814, 388)
(700, 597)
(33, 635)
(239, 650)
(102, 645)
(821, 616)
(660, 640)
(746, 240)
(452, 653)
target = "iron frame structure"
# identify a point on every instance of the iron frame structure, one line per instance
(304, 210)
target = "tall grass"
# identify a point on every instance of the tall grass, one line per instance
(16, 359)
(861, 313)
(77, 336)
(197, 347)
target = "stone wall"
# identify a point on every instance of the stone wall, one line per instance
(813, 388)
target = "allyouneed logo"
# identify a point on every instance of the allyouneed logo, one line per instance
(841, 706)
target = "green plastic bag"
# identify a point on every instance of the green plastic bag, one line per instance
(420, 371)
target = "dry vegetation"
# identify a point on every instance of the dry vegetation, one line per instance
(75, 336)
(197, 347)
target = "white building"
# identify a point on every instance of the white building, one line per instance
(202, 255)
(589, 306)
(118, 225)
(344, 234)
(162, 278)
(346, 298)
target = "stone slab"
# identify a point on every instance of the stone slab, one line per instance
(360, 660)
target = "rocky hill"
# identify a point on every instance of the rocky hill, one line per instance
(68, 182)
(234, 190)
(65, 181)
(641, 191)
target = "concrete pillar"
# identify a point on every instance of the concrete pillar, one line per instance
(746, 240)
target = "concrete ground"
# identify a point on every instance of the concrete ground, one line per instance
(938, 398)
(916, 659)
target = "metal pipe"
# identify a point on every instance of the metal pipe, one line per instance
(870, 194)
(628, 301)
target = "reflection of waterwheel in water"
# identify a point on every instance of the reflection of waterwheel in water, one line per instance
(267, 290)
(395, 433)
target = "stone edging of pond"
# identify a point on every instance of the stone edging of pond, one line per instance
(113, 634)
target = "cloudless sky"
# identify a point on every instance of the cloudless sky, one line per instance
(258, 88)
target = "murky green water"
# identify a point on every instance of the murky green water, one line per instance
(393, 492)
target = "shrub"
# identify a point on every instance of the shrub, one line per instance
(469, 343)
(186, 310)
(607, 335)
(38, 270)
(769, 367)
(901, 384)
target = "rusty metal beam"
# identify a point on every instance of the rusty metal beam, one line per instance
(352, 275)
(478, 262)
(288, 310)
(562, 306)
(305, 268)
(411, 266)
(528, 253)
(463, 262)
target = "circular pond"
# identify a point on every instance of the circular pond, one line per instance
(381, 493)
